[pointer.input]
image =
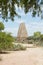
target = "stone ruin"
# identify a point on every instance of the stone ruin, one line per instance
(22, 33)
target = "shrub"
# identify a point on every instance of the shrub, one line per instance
(19, 47)
(6, 41)
(40, 44)
(1, 26)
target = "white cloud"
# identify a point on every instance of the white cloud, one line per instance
(34, 27)
(16, 7)
(19, 10)
(41, 7)
(19, 21)
(30, 26)
(13, 31)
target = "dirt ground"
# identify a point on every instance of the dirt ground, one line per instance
(32, 56)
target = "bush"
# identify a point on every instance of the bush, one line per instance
(40, 44)
(1, 26)
(6, 41)
(19, 47)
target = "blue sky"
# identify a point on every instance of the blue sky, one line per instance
(33, 24)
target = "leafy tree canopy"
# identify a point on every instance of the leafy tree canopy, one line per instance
(37, 34)
(8, 7)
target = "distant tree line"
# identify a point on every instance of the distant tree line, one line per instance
(36, 39)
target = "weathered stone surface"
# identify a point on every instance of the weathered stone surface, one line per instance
(22, 32)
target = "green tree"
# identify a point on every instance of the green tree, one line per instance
(6, 39)
(1, 26)
(41, 37)
(37, 35)
(8, 6)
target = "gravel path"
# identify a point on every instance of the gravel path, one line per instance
(32, 56)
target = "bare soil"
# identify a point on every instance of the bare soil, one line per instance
(32, 56)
